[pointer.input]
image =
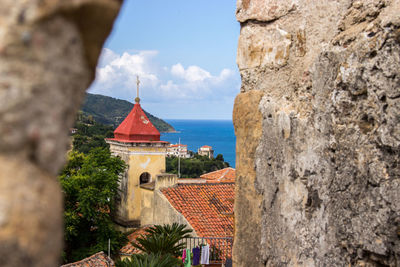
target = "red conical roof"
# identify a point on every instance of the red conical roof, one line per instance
(136, 127)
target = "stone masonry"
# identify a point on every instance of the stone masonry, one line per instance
(48, 54)
(318, 175)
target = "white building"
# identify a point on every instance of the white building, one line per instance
(206, 151)
(178, 150)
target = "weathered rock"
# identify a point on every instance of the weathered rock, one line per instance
(261, 47)
(246, 116)
(30, 218)
(327, 163)
(48, 54)
(263, 10)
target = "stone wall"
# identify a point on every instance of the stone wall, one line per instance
(48, 54)
(165, 180)
(318, 173)
(146, 206)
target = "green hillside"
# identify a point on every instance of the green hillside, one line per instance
(112, 111)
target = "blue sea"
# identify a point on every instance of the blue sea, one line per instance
(196, 133)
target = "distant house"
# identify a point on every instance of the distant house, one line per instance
(99, 259)
(178, 150)
(224, 175)
(206, 151)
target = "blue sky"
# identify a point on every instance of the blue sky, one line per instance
(184, 52)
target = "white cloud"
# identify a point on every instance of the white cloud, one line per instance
(191, 74)
(195, 74)
(116, 76)
(125, 68)
(107, 56)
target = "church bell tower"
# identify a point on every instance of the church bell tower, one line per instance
(137, 142)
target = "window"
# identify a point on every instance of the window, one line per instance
(145, 178)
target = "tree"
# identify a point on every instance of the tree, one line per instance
(164, 239)
(149, 260)
(90, 184)
(161, 245)
(220, 157)
(89, 137)
(196, 166)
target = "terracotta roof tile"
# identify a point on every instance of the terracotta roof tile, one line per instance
(136, 126)
(129, 249)
(223, 175)
(207, 207)
(99, 259)
(177, 145)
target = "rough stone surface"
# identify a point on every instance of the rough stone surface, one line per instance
(327, 166)
(263, 10)
(263, 47)
(27, 216)
(48, 54)
(247, 116)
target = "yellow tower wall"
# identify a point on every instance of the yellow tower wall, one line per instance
(149, 159)
(147, 207)
(140, 157)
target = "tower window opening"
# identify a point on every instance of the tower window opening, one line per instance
(145, 178)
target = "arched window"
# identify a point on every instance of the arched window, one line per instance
(145, 178)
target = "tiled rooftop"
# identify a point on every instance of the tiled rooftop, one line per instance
(207, 207)
(223, 175)
(128, 249)
(177, 145)
(99, 259)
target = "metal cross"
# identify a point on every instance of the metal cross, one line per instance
(137, 82)
(137, 99)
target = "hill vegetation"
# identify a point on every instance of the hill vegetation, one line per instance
(195, 166)
(112, 111)
(90, 134)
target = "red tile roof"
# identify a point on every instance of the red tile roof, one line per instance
(207, 207)
(136, 126)
(129, 249)
(223, 175)
(99, 259)
(206, 147)
(176, 145)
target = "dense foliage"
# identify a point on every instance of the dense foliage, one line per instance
(111, 111)
(163, 239)
(195, 166)
(90, 134)
(149, 260)
(161, 246)
(90, 184)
